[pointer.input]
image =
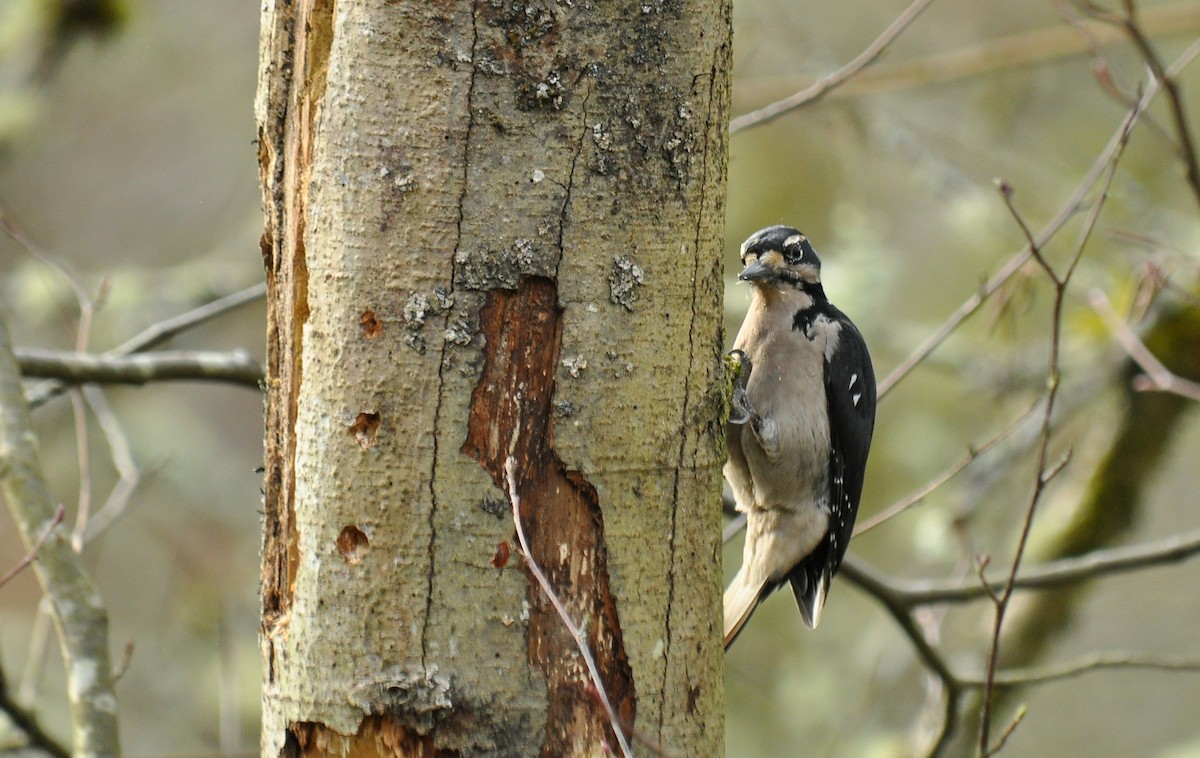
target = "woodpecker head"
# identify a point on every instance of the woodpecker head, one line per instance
(780, 256)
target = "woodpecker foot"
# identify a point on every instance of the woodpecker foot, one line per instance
(740, 409)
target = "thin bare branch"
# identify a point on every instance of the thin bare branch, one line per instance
(161, 332)
(822, 86)
(1002, 53)
(1159, 376)
(26, 721)
(1013, 723)
(877, 587)
(922, 492)
(1046, 576)
(121, 456)
(1074, 204)
(82, 622)
(83, 456)
(1093, 663)
(901, 599)
(1183, 131)
(234, 367)
(1045, 470)
(167, 329)
(31, 556)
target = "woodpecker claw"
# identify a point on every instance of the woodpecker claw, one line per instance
(740, 410)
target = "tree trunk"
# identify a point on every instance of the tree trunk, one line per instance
(493, 243)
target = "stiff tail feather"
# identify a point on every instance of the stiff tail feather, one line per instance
(741, 598)
(810, 587)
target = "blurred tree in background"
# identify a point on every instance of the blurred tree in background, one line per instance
(129, 162)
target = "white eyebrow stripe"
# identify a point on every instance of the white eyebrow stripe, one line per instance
(794, 239)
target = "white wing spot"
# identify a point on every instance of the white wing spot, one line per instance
(856, 398)
(853, 379)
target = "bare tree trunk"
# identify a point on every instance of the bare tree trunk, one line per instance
(493, 241)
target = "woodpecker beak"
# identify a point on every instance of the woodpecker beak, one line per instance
(756, 271)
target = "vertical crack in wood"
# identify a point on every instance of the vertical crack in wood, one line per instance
(566, 203)
(684, 432)
(441, 368)
(511, 411)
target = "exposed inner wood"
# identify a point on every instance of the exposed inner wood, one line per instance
(378, 735)
(511, 413)
(285, 158)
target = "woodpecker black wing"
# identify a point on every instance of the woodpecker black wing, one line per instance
(850, 393)
(850, 399)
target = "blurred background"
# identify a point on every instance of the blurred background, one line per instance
(127, 157)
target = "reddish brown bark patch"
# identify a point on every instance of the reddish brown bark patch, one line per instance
(511, 411)
(352, 543)
(500, 557)
(372, 327)
(365, 428)
(377, 736)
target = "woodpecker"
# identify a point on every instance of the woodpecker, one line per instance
(800, 429)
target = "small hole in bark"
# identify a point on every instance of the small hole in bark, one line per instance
(372, 327)
(364, 428)
(500, 559)
(352, 543)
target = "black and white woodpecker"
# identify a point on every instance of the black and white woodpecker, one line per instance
(803, 415)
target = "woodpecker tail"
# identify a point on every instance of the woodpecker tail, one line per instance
(741, 598)
(810, 583)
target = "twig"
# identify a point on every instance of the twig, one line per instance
(87, 313)
(163, 331)
(83, 455)
(1159, 376)
(122, 460)
(33, 551)
(822, 86)
(1007, 52)
(902, 598)
(1045, 472)
(510, 473)
(234, 367)
(156, 334)
(922, 492)
(1097, 662)
(24, 720)
(37, 652)
(82, 623)
(1013, 265)
(910, 594)
(1013, 723)
(1187, 147)
(877, 587)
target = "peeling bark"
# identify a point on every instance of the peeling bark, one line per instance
(511, 410)
(493, 229)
